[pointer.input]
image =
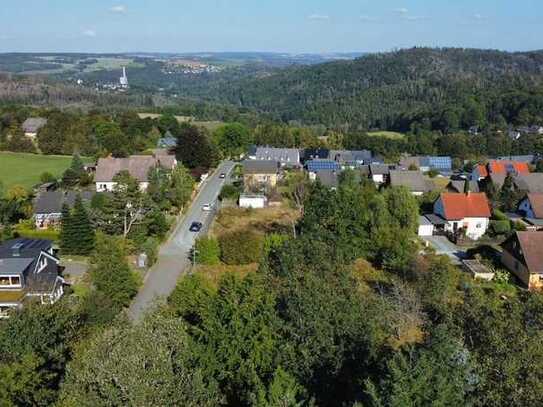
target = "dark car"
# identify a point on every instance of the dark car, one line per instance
(195, 226)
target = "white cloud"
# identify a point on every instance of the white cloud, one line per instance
(119, 9)
(401, 10)
(321, 17)
(89, 33)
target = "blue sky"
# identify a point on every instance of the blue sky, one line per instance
(267, 25)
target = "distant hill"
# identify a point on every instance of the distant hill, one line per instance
(394, 90)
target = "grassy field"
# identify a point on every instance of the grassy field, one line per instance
(387, 134)
(26, 169)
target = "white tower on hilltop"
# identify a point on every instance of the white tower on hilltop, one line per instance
(124, 79)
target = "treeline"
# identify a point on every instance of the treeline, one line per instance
(345, 313)
(445, 89)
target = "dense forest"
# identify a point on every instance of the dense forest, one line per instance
(444, 89)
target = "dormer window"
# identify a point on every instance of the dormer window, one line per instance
(43, 264)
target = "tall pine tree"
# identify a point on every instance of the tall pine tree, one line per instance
(66, 231)
(82, 230)
(73, 175)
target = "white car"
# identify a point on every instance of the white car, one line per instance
(207, 207)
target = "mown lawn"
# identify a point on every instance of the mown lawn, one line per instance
(387, 134)
(26, 169)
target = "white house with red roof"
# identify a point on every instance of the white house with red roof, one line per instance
(499, 167)
(469, 212)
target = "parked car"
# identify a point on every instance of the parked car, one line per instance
(222, 175)
(207, 207)
(196, 226)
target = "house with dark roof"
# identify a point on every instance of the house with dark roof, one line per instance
(260, 173)
(28, 270)
(32, 125)
(459, 186)
(469, 213)
(137, 166)
(315, 166)
(328, 178)
(523, 255)
(287, 157)
(531, 209)
(168, 141)
(354, 158)
(415, 181)
(379, 173)
(427, 163)
(315, 154)
(48, 206)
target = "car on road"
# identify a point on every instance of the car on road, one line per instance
(196, 226)
(207, 207)
(222, 175)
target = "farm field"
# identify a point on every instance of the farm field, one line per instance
(25, 169)
(387, 134)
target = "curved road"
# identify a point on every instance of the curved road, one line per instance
(173, 259)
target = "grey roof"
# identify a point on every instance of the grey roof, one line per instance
(33, 124)
(423, 220)
(167, 142)
(260, 167)
(532, 182)
(28, 248)
(413, 180)
(458, 186)
(435, 219)
(528, 158)
(14, 265)
(328, 178)
(52, 201)
(352, 156)
(286, 156)
(379, 169)
(138, 166)
(497, 179)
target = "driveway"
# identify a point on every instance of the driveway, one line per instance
(444, 246)
(173, 259)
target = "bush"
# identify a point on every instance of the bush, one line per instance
(29, 233)
(208, 251)
(500, 227)
(499, 215)
(150, 248)
(230, 192)
(47, 177)
(241, 247)
(519, 226)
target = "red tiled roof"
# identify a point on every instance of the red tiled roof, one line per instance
(501, 167)
(460, 206)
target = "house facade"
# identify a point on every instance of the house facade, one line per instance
(523, 255)
(260, 173)
(48, 206)
(28, 270)
(469, 213)
(32, 125)
(138, 166)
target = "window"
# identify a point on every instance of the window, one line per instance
(10, 281)
(479, 226)
(5, 281)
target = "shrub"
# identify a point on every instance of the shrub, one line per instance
(29, 233)
(208, 251)
(230, 192)
(241, 247)
(500, 227)
(519, 226)
(274, 241)
(47, 177)
(150, 248)
(499, 215)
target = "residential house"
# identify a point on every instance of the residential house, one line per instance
(379, 173)
(287, 157)
(138, 166)
(532, 182)
(315, 166)
(523, 255)
(315, 154)
(32, 125)
(526, 158)
(468, 212)
(354, 158)
(531, 209)
(48, 206)
(499, 168)
(427, 163)
(426, 228)
(415, 181)
(168, 142)
(28, 270)
(260, 173)
(328, 178)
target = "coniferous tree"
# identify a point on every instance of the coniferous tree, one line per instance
(66, 231)
(73, 175)
(83, 233)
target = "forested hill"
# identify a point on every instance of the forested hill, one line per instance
(393, 90)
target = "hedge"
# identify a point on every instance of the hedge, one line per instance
(46, 234)
(241, 247)
(500, 227)
(499, 215)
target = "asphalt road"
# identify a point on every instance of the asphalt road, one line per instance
(444, 246)
(173, 259)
